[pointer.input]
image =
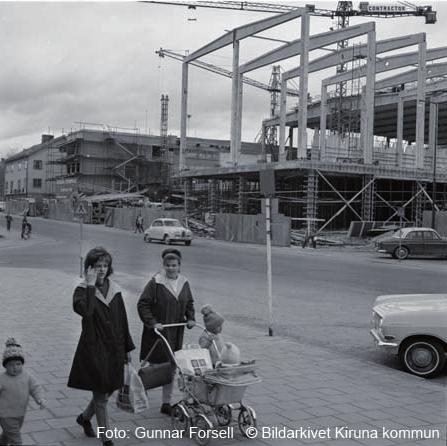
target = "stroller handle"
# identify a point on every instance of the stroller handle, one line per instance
(181, 324)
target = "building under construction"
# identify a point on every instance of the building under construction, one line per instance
(370, 148)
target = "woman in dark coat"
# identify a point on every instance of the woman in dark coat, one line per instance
(105, 343)
(166, 299)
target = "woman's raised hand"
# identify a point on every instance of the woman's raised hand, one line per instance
(91, 275)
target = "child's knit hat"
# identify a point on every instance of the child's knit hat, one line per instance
(12, 351)
(211, 319)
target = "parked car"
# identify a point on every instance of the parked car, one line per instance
(413, 241)
(168, 230)
(413, 326)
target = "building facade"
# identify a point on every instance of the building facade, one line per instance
(26, 174)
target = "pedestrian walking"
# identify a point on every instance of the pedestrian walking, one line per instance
(24, 226)
(166, 299)
(139, 224)
(105, 342)
(8, 222)
(16, 386)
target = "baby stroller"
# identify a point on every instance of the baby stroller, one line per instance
(210, 397)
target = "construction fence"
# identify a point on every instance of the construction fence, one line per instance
(244, 228)
(124, 218)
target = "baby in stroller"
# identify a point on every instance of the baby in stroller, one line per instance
(222, 353)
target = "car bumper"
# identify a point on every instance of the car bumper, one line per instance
(384, 251)
(383, 343)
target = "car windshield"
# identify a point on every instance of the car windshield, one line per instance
(399, 234)
(175, 223)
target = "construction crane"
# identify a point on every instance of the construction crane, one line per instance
(366, 9)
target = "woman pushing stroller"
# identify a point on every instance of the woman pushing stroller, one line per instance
(166, 299)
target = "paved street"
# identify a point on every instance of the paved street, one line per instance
(319, 370)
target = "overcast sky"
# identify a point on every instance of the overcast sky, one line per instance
(62, 63)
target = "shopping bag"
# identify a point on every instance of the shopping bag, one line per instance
(194, 361)
(156, 375)
(132, 396)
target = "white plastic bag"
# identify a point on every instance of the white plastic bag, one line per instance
(194, 361)
(132, 396)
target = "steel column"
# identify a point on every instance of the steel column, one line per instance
(234, 101)
(400, 130)
(420, 105)
(183, 116)
(282, 119)
(304, 69)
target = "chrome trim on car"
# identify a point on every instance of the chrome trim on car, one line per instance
(380, 342)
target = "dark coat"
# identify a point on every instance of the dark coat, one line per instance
(98, 364)
(158, 304)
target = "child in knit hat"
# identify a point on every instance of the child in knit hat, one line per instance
(220, 351)
(211, 338)
(16, 386)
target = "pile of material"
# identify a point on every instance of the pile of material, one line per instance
(297, 239)
(201, 229)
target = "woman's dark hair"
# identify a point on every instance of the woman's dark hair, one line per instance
(95, 254)
(171, 254)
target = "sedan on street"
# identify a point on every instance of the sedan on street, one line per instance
(168, 230)
(413, 242)
(413, 326)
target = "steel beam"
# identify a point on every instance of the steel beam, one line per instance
(315, 42)
(183, 116)
(234, 101)
(244, 31)
(323, 120)
(302, 110)
(420, 105)
(388, 64)
(369, 98)
(400, 131)
(433, 70)
(356, 52)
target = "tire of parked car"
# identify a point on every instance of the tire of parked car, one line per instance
(423, 357)
(401, 252)
(147, 239)
(166, 240)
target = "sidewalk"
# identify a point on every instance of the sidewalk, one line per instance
(303, 387)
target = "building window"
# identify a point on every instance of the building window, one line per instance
(19, 185)
(6, 186)
(37, 164)
(11, 187)
(20, 168)
(37, 182)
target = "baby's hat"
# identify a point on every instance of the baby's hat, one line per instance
(211, 318)
(12, 351)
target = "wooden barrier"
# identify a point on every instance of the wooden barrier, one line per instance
(251, 228)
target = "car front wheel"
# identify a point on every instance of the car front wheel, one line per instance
(166, 240)
(401, 252)
(422, 357)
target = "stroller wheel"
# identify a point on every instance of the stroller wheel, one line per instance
(246, 419)
(180, 417)
(223, 415)
(203, 425)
